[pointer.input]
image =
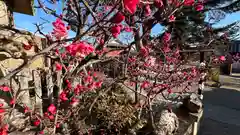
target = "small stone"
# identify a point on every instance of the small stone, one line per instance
(168, 123)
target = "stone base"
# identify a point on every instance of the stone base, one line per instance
(188, 122)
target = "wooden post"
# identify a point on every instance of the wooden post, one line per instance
(230, 68)
(38, 90)
(201, 56)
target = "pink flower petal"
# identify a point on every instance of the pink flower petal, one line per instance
(52, 109)
(58, 66)
(172, 18)
(118, 18)
(148, 10)
(131, 5)
(5, 88)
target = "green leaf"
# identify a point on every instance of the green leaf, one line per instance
(173, 95)
(88, 56)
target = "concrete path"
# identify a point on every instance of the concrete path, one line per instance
(221, 111)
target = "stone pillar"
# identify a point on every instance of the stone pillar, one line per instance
(24, 95)
(202, 76)
(6, 17)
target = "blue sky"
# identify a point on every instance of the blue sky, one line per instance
(27, 22)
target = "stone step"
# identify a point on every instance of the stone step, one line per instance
(226, 81)
(229, 79)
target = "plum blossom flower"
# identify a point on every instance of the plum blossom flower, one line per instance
(131, 5)
(199, 7)
(118, 18)
(77, 91)
(151, 61)
(172, 18)
(90, 86)
(107, 7)
(36, 122)
(2, 111)
(50, 117)
(166, 49)
(27, 47)
(166, 37)
(144, 51)
(189, 2)
(169, 91)
(68, 27)
(12, 102)
(52, 109)
(194, 71)
(145, 84)
(81, 48)
(98, 84)
(177, 52)
(3, 130)
(74, 101)
(128, 29)
(64, 55)
(5, 88)
(131, 60)
(58, 66)
(63, 96)
(58, 125)
(26, 109)
(158, 3)
(57, 52)
(148, 10)
(222, 58)
(59, 30)
(88, 79)
(175, 2)
(116, 30)
(101, 42)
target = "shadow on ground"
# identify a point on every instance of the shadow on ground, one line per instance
(221, 112)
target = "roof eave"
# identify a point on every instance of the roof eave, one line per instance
(23, 6)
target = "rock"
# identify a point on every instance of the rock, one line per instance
(22, 133)
(193, 103)
(167, 124)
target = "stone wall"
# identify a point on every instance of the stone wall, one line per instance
(4, 17)
(12, 55)
(12, 41)
(11, 50)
